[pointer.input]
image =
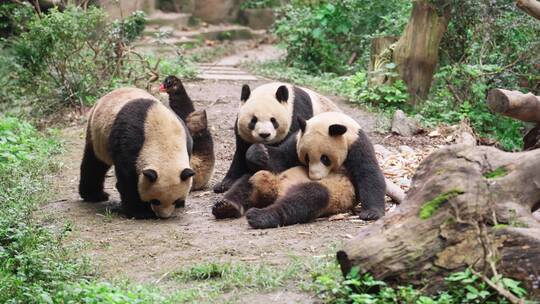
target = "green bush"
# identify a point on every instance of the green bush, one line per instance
(321, 36)
(14, 18)
(458, 93)
(461, 287)
(70, 58)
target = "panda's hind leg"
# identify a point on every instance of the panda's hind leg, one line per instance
(235, 201)
(92, 179)
(301, 204)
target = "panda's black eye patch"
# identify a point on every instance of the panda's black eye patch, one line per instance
(252, 123)
(155, 202)
(325, 160)
(274, 122)
(307, 159)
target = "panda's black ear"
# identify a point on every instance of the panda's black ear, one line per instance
(337, 130)
(301, 123)
(282, 94)
(150, 174)
(246, 92)
(186, 173)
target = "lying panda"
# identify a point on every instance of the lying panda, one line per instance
(328, 142)
(149, 147)
(266, 116)
(203, 157)
(291, 197)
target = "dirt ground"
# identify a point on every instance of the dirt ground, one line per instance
(147, 250)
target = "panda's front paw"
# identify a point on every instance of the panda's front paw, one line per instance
(257, 157)
(262, 219)
(95, 197)
(370, 214)
(223, 186)
(226, 209)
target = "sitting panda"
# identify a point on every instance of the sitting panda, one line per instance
(291, 197)
(328, 142)
(149, 147)
(266, 116)
(203, 157)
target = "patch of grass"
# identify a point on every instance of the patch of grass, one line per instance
(429, 208)
(33, 263)
(499, 172)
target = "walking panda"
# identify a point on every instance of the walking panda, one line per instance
(267, 115)
(149, 147)
(203, 157)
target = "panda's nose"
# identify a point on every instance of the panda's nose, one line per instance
(264, 135)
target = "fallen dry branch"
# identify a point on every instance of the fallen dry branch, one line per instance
(524, 107)
(467, 207)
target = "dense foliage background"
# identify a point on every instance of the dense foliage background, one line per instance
(489, 43)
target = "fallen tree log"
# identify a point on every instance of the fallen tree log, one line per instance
(531, 7)
(467, 207)
(524, 107)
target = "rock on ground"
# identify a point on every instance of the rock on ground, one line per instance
(403, 125)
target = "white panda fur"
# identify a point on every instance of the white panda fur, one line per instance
(133, 131)
(263, 104)
(329, 142)
(280, 101)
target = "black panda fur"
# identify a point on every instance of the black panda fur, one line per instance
(306, 103)
(359, 162)
(270, 200)
(124, 114)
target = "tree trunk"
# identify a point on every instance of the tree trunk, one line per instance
(531, 7)
(468, 206)
(417, 51)
(381, 54)
(524, 107)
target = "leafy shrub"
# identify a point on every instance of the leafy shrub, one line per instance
(14, 18)
(21, 143)
(72, 57)
(324, 35)
(462, 287)
(459, 92)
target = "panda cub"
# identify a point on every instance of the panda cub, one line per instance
(149, 147)
(266, 116)
(291, 197)
(330, 142)
(203, 157)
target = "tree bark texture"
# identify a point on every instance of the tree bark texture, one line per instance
(531, 7)
(467, 207)
(417, 51)
(524, 107)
